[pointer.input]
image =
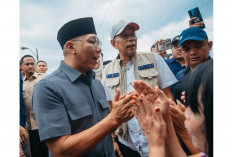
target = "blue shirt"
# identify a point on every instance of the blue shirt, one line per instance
(174, 65)
(180, 86)
(22, 117)
(67, 102)
(178, 75)
(175, 68)
(182, 79)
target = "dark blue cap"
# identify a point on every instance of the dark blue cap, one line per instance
(192, 33)
(75, 28)
(175, 40)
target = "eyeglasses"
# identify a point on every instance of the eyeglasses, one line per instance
(93, 40)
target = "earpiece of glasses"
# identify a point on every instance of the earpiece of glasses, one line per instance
(93, 40)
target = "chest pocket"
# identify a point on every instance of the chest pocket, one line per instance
(79, 111)
(112, 82)
(104, 105)
(149, 75)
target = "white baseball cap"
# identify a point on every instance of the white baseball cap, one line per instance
(120, 26)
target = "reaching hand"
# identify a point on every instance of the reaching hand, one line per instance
(183, 96)
(181, 106)
(155, 96)
(178, 117)
(150, 120)
(121, 108)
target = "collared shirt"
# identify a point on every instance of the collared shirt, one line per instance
(67, 102)
(180, 86)
(138, 140)
(175, 68)
(28, 88)
(174, 65)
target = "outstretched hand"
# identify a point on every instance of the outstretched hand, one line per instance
(150, 120)
(178, 117)
(183, 96)
(121, 107)
(155, 96)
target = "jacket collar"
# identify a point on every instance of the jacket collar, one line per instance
(72, 73)
(33, 76)
(172, 60)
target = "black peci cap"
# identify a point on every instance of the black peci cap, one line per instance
(74, 29)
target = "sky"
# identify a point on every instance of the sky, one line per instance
(40, 21)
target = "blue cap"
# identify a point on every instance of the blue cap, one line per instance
(192, 33)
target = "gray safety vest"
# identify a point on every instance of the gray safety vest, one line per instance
(145, 67)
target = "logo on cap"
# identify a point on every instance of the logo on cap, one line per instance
(181, 37)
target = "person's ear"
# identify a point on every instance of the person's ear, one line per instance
(210, 44)
(22, 67)
(181, 51)
(113, 43)
(178, 49)
(69, 46)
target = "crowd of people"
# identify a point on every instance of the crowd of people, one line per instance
(30, 73)
(137, 105)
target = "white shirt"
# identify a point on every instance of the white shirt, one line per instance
(108, 97)
(137, 140)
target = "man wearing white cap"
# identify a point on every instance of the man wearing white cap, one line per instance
(121, 73)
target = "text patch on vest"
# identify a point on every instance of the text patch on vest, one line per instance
(112, 75)
(146, 66)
